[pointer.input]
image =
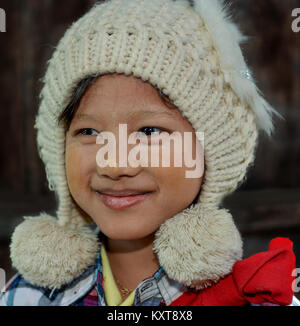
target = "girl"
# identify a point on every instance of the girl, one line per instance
(161, 68)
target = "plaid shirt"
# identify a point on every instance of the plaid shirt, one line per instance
(87, 290)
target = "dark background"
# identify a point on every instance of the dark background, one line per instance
(265, 206)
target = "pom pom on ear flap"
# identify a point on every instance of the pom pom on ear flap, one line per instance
(198, 246)
(50, 255)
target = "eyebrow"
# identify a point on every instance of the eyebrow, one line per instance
(149, 112)
(86, 116)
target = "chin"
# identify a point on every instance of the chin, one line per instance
(125, 234)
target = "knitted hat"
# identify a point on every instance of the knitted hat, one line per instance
(190, 51)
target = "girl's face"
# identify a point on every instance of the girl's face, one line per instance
(162, 191)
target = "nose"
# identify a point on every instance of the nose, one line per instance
(116, 166)
(117, 172)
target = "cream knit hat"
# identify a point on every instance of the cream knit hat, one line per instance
(190, 51)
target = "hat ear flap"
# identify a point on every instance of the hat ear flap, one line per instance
(50, 255)
(198, 246)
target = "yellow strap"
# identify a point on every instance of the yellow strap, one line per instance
(112, 294)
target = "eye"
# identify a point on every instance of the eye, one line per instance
(150, 130)
(87, 132)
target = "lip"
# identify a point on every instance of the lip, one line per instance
(125, 198)
(122, 193)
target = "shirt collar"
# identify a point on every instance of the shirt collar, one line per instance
(151, 291)
(112, 294)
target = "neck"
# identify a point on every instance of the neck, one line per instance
(132, 261)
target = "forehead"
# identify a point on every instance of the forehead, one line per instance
(117, 93)
(114, 86)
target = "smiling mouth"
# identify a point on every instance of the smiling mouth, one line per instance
(122, 201)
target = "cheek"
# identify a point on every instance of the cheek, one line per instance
(176, 189)
(184, 181)
(79, 166)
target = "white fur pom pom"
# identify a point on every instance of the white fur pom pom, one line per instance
(198, 246)
(49, 255)
(227, 37)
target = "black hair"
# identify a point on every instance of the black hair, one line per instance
(68, 113)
